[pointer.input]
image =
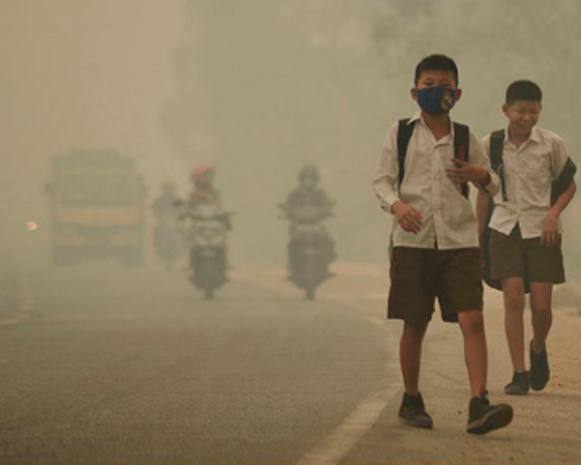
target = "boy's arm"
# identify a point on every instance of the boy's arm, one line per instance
(551, 223)
(386, 175)
(479, 156)
(477, 170)
(559, 156)
(564, 199)
(482, 205)
(384, 183)
(559, 160)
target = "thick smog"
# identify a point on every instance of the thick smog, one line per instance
(307, 232)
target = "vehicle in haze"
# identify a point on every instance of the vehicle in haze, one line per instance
(310, 250)
(207, 233)
(97, 207)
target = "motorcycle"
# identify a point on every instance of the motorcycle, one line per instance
(310, 250)
(207, 236)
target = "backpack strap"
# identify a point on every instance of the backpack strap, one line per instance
(405, 130)
(562, 182)
(496, 149)
(462, 149)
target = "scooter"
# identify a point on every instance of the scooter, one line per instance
(309, 257)
(207, 236)
(310, 249)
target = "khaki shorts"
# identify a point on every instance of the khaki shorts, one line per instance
(512, 256)
(420, 276)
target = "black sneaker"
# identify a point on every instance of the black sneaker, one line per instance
(540, 371)
(413, 412)
(484, 417)
(519, 386)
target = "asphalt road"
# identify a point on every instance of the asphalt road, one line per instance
(115, 366)
(119, 366)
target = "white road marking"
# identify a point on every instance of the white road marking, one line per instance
(332, 449)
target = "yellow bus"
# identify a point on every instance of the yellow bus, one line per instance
(97, 207)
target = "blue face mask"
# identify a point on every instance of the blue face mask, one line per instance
(436, 100)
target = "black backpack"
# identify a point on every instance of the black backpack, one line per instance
(461, 146)
(558, 186)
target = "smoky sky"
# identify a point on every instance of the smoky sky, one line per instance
(260, 88)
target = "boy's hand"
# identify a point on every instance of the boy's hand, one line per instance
(407, 217)
(467, 172)
(550, 235)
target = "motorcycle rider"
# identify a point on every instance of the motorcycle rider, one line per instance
(205, 194)
(308, 204)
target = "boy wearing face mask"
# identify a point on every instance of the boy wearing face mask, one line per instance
(422, 182)
(524, 230)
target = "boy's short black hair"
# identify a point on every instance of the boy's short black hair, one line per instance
(523, 90)
(436, 62)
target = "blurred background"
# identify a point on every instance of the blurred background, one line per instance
(112, 359)
(260, 88)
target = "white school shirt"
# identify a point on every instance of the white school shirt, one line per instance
(448, 219)
(528, 173)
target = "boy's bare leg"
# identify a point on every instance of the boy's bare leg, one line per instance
(540, 373)
(410, 355)
(542, 314)
(475, 350)
(514, 306)
(482, 416)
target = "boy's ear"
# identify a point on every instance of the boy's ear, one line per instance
(414, 93)
(458, 94)
(505, 108)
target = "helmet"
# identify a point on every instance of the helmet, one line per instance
(201, 170)
(309, 171)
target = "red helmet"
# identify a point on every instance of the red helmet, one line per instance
(201, 170)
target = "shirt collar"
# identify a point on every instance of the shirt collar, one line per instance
(418, 117)
(534, 137)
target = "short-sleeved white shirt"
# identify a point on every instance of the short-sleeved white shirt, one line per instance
(529, 171)
(448, 219)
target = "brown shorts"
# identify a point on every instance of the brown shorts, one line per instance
(419, 276)
(512, 256)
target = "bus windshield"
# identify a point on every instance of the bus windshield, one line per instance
(98, 190)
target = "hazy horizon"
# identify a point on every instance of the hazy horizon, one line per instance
(260, 89)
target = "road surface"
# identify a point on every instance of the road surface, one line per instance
(106, 365)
